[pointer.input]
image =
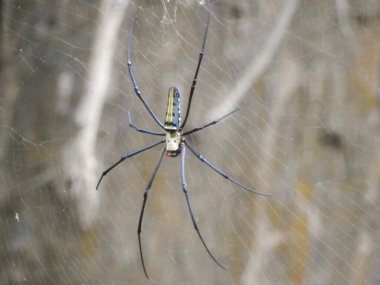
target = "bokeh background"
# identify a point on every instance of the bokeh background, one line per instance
(306, 76)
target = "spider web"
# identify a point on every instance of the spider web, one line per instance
(305, 75)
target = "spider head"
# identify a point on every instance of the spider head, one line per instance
(173, 143)
(173, 116)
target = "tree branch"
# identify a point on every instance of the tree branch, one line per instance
(259, 63)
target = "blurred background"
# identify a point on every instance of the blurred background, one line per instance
(305, 74)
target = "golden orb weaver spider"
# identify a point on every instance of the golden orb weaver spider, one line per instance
(175, 143)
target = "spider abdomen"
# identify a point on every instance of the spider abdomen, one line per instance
(173, 115)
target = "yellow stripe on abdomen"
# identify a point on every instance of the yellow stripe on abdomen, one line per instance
(169, 112)
(173, 118)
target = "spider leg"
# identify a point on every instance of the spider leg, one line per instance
(147, 188)
(205, 161)
(105, 172)
(184, 188)
(135, 86)
(142, 130)
(201, 53)
(209, 124)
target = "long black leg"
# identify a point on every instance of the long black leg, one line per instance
(135, 86)
(209, 124)
(201, 53)
(147, 188)
(125, 157)
(184, 188)
(142, 130)
(201, 158)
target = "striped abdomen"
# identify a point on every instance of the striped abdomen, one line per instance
(173, 116)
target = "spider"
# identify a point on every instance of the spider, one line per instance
(175, 142)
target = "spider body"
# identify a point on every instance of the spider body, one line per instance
(173, 138)
(175, 143)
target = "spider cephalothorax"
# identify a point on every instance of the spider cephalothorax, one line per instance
(175, 143)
